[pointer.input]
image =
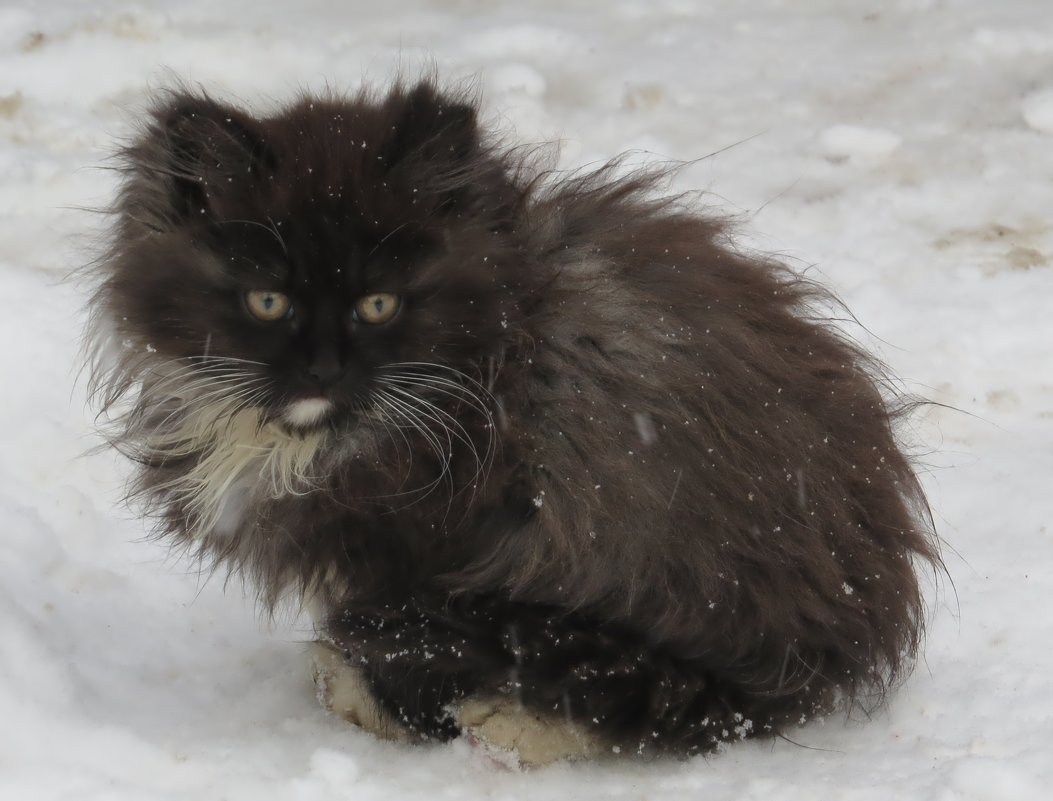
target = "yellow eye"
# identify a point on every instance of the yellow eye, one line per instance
(266, 305)
(376, 309)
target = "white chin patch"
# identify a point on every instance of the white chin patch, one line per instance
(306, 412)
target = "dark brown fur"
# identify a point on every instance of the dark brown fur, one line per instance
(675, 509)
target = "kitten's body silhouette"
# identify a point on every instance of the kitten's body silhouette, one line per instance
(542, 454)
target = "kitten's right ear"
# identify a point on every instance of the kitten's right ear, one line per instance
(214, 154)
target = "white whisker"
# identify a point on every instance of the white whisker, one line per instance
(428, 436)
(417, 393)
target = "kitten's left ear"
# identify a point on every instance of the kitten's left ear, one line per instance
(429, 126)
(212, 152)
(436, 143)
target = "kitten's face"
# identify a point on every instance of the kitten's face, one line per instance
(295, 262)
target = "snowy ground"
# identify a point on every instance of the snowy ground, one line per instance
(903, 147)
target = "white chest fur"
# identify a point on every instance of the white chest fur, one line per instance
(244, 463)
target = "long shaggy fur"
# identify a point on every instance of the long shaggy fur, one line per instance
(602, 460)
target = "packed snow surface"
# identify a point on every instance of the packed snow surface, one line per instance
(901, 151)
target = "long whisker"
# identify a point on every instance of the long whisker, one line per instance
(463, 395)
(429, 366)
(433, 412)
(409, 381)
(448, 388)
(377, 416)
(428, 436)
(410, 413)
(414, 374)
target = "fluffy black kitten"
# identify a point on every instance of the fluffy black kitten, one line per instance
(550, 462)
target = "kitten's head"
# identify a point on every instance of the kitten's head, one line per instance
(290, 262)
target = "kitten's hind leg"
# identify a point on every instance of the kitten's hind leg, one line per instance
(591, 688)
(415, 664)
(345, 690)
(444, 673)
(534, 738)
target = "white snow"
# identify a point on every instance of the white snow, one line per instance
(854, 142)
(125, 675)
(1038, 111)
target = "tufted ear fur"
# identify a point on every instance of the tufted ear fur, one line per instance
(429, 127)
(436, 143)
(214, 154)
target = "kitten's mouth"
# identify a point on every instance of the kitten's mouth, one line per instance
(307, 412)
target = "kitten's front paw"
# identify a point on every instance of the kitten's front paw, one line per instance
(505, 725)
(344, 690)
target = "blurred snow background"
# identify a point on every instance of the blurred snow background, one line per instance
(901, 149)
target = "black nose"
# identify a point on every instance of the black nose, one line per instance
(325, 366)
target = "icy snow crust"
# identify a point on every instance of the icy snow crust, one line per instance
(902, 150)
